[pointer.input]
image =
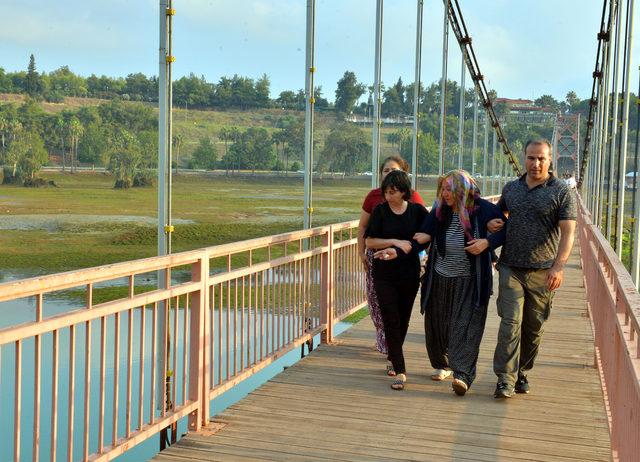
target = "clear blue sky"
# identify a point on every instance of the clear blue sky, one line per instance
(526, 48)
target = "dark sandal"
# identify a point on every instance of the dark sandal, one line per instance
(391, 371)
(397, 384)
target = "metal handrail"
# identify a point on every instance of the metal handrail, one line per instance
(614, 309)
(191, 341)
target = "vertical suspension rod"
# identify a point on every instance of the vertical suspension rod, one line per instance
(597, 74)
(461, 112)
(308, 115)
(416, 95)
(375, 145)
(443, 89)
(474, 143)
(459, 28)
(613, 207)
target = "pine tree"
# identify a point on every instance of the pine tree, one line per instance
(33, 82)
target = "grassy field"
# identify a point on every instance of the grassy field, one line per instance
(219, 209)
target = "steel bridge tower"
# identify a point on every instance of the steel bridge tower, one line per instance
(565, 144)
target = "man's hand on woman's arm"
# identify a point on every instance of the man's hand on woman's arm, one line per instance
(495, 225)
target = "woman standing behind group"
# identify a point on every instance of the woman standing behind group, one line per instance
(396, 265)
(458, 278)
(374, 198)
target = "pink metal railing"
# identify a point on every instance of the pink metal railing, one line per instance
(164, 354)
(614, 306)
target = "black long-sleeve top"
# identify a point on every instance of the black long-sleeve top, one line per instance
(385, 224)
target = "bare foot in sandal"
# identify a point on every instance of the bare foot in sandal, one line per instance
(390, 370)
(398, 383)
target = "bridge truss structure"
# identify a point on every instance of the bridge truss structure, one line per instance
(566, 141)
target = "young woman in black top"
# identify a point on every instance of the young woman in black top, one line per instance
(396, 265)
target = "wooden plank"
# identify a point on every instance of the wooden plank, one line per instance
(336, 403)
(412, 448)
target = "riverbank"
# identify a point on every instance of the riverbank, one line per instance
(84, 222)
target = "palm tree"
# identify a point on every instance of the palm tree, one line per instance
(178, 141)
(234, 135)
(75, 132)
(61, 128)
(393, 138)
(225, 135)
(405, 134)
(280, 138)
(4, 126)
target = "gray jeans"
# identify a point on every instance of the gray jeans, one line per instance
(524, 304)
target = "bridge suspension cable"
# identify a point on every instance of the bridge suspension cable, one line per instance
(597, 76)
(602, 146)
(464, 40)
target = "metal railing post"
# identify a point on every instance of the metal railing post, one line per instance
(199, 339)
(326, 288)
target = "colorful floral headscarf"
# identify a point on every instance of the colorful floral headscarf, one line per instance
(465, 191)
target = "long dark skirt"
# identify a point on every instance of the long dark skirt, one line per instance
(453, 327)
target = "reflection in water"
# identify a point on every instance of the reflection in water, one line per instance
(15, 312)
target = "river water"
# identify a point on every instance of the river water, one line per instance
(15, 312)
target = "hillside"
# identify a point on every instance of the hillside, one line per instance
(194, 124)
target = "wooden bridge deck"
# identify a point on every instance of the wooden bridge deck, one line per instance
(336, 404)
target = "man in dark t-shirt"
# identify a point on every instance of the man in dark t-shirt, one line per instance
(542, 212)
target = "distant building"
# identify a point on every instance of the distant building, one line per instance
(515, 102)
(525, 110)
(396, 120)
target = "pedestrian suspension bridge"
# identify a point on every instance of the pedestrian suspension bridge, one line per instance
(93, 382)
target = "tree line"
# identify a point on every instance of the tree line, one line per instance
(122, 136)
(242, 92)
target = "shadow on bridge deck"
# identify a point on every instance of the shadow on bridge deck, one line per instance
(337, 405)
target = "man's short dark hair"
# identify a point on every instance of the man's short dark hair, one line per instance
(539, 142)
(399, 181)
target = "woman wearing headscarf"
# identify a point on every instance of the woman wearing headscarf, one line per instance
(458, 278)
(374, 198)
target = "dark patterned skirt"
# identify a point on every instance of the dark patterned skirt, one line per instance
(453, 326)
(374, 308)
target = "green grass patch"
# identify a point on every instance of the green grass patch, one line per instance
(85, 216)
(104, 294)
(358, 316)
